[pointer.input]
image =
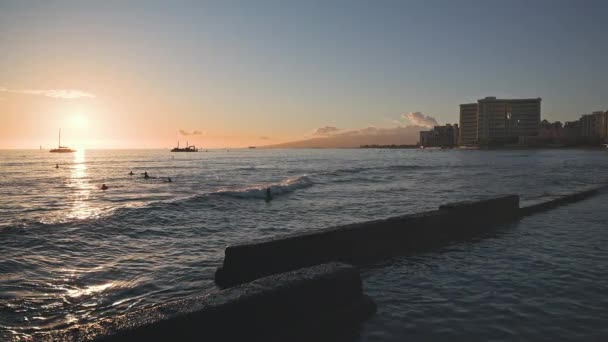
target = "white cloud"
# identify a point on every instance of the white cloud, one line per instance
(68, 94)
(419, 119)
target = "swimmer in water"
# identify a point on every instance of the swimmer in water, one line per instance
(169, 180)
(146, 175)
(56, 166)
(130, 173)
(104, 187)
(268, 195)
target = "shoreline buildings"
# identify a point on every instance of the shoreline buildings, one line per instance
(440, 136)
(594, 125)
(468, 124)
(493, 121)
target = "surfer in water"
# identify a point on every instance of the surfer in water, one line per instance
(56, 166)
(103, 187)
(169, 180)
(268, 195)
(146, 175)
(130, 173)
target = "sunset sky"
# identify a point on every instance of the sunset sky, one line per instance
(132, 74)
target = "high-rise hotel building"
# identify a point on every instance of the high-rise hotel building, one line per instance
(594, 125)
(493, 120)
(468, 124)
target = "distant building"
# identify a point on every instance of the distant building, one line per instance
(571, 133)
(590, 129)
(468, 124)
(493, 120)
(594, 126)
(551, 131)
(440, 136)
(501, 120)
(573, 126)
(427, 138)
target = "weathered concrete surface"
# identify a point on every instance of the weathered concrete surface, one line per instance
(486, 209)
(361, 242)
(304, 304)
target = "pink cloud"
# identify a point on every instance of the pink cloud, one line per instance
(419, 119)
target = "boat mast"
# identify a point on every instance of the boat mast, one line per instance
(60, 137)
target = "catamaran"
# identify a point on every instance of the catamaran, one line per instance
(62, 149)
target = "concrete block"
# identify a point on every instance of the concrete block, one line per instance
(563, 200)
(360, 242)
(301, 304)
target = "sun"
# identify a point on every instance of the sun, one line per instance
(79, 121)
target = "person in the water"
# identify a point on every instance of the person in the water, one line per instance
(268, 195)
(169, 180)
(130, 173)
(56, 166)
(146, 175)
(104, 187)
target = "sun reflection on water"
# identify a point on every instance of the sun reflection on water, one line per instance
(87, 291)
(79, 182)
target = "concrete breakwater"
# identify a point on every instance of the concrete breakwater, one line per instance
(367, 241)
(299, 305)
(361, 242)
(562, 200)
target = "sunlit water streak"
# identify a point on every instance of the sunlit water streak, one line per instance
(71, 253)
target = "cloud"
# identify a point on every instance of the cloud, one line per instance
(325, 131)
(68, 94)
(418, 119)
(265, 138)
(186, 133)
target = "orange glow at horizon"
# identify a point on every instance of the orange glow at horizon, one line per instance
(32, 120)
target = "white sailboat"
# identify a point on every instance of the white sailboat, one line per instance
(61, 149)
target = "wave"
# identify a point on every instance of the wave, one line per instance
(134, 210)
(259, 191)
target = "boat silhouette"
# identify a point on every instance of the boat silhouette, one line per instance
(188, 148)
(61, 149)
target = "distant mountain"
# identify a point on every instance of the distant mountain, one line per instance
(355, 138)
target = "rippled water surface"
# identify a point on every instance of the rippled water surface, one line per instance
(544, 278)
(71, 253)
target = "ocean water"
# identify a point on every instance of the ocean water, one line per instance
(544, 278)
(71, 253)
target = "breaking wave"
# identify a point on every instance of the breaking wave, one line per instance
(259, 191)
